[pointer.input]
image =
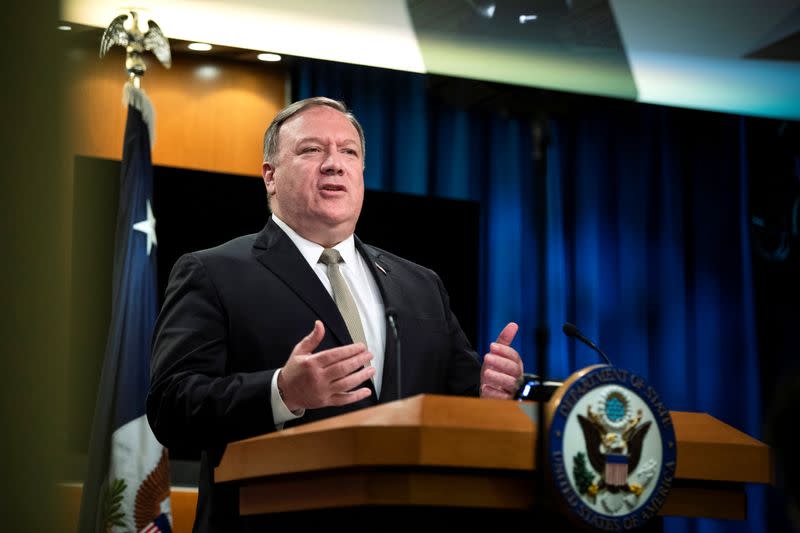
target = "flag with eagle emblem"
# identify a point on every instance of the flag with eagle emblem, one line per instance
(127, 485)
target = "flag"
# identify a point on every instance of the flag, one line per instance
(127, 484)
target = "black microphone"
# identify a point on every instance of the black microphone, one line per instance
(391, 317)
(571, 330)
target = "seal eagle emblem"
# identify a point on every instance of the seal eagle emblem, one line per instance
(614, 437)
(611, 448)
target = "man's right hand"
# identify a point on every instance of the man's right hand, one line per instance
(312, 380)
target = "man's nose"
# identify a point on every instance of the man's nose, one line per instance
(332, 164)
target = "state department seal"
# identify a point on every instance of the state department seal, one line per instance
(611, 448)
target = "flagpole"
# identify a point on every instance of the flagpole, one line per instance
(127, 487)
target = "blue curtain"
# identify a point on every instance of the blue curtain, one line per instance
(630, 222)
(646, 249)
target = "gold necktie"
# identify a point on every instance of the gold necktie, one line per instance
(341, 295)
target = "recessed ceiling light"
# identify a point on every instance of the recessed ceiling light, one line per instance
(64, 27)
(269, 57)
(527, 18)
(200, 47)
(207, 72)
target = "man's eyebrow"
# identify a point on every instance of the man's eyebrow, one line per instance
(322, 141)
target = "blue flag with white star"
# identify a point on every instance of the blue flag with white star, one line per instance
(127, 485)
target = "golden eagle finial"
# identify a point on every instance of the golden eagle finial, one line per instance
(136, 43)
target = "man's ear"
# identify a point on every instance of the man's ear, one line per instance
(268, 174)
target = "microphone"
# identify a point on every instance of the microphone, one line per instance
(391, 317)
(571, 330)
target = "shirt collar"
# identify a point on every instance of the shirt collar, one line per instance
(311, 250)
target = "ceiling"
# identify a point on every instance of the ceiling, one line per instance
(734, 56)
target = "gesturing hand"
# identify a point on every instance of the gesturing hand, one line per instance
(312, 380)
(502, 366)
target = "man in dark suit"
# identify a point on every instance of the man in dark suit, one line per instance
(289, 325)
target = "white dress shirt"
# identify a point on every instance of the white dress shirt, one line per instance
(366, 294)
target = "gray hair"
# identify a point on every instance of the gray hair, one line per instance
(271, 135)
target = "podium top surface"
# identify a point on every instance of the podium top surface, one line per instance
(471, 433)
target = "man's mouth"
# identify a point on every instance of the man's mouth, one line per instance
(332, 187)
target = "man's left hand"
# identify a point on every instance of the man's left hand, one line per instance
(502, 366)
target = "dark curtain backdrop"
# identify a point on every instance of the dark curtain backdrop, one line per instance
(628, 220)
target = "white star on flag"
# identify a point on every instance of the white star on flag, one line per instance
(148, 227)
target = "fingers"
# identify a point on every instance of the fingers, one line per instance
(500, 373)
(344, 398)
(510, 355)
(498, 380)
(502, 347)
(347, 366)
(333, 356)
(507, 335)
(313, 380)
(352, 380)
(310, 342)
(502, 364)
(489, 392)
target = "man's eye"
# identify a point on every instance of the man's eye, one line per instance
(310, 149)
(350, 151)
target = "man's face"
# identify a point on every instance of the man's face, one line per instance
(316, 185)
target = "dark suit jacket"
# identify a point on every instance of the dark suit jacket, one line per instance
(232, 316)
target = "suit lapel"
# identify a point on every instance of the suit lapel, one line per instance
(393, 297)
(276, 251)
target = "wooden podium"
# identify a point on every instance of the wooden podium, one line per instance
(436, 452)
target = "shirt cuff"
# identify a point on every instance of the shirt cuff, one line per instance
(280, 413)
